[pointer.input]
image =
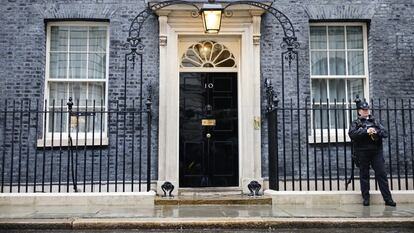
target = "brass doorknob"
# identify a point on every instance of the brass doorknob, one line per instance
(208, 135)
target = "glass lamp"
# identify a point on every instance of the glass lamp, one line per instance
(211, 15)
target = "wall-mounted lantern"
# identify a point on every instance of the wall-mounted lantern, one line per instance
(211, 14)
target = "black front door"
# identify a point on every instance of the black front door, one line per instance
(208, 130)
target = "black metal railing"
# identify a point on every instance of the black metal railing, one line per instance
(91, 146)
(69, 147)
(319, 157)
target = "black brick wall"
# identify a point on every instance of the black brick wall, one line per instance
(23, 53)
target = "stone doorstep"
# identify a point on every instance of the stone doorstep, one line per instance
(61, 199)
(209, 191)
(309, 198)
(306, 198)
(214, 200)
(207, 223)
(212, 196)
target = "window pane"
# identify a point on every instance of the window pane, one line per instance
(319, 89)
(354, 37)
(57, 119)
(336, 37)
(336, 117)
(59, 38)
(58, 64)
(57, 92)
(78, 39)
(337, 63)
(227, 63)
(356, 63)
(78, 92)
(96, 91)
(320, 115)
(94, 121)
(97, 66)
(217, 49)
(319, 63)
(225, 54)
(355, 87)
(97, 39)
(336, 90)
(89, 120)
(77, 65)
(318, 37)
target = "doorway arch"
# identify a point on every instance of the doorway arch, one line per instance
(289, 56)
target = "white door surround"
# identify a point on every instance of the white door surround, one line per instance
(241, 34)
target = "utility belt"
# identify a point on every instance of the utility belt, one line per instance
(356, 154)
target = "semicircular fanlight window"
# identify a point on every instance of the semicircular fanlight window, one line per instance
(208, 54)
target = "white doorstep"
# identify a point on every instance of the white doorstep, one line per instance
(102, 199)
(310, 198)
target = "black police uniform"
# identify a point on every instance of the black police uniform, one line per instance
(368, 150)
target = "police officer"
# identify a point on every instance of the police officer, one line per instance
(367, 134)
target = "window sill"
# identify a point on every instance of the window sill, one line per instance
(41, 143)
(325, 139)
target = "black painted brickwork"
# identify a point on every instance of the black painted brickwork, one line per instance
(23, 49)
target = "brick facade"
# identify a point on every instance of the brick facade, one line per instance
(23, 52)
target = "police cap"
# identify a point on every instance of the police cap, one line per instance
(363, 105)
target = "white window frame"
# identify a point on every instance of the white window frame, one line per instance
(322, 134)
(79, 138)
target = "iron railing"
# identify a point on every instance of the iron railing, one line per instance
(319, 157)
(108, 149)
(72, 147)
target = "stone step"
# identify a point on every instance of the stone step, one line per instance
(244, 224)
(217, 199)
(210, 191)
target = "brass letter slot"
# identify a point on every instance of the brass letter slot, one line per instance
(208, 122)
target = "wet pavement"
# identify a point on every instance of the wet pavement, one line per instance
(310, 230)
(206, 211)
(207, 218)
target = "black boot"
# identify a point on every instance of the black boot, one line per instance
(366, 202)
(390, 202)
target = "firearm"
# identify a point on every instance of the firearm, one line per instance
(354, 162)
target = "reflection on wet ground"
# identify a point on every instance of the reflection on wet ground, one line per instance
(310, 230)
(194, 213)
(206, 211)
